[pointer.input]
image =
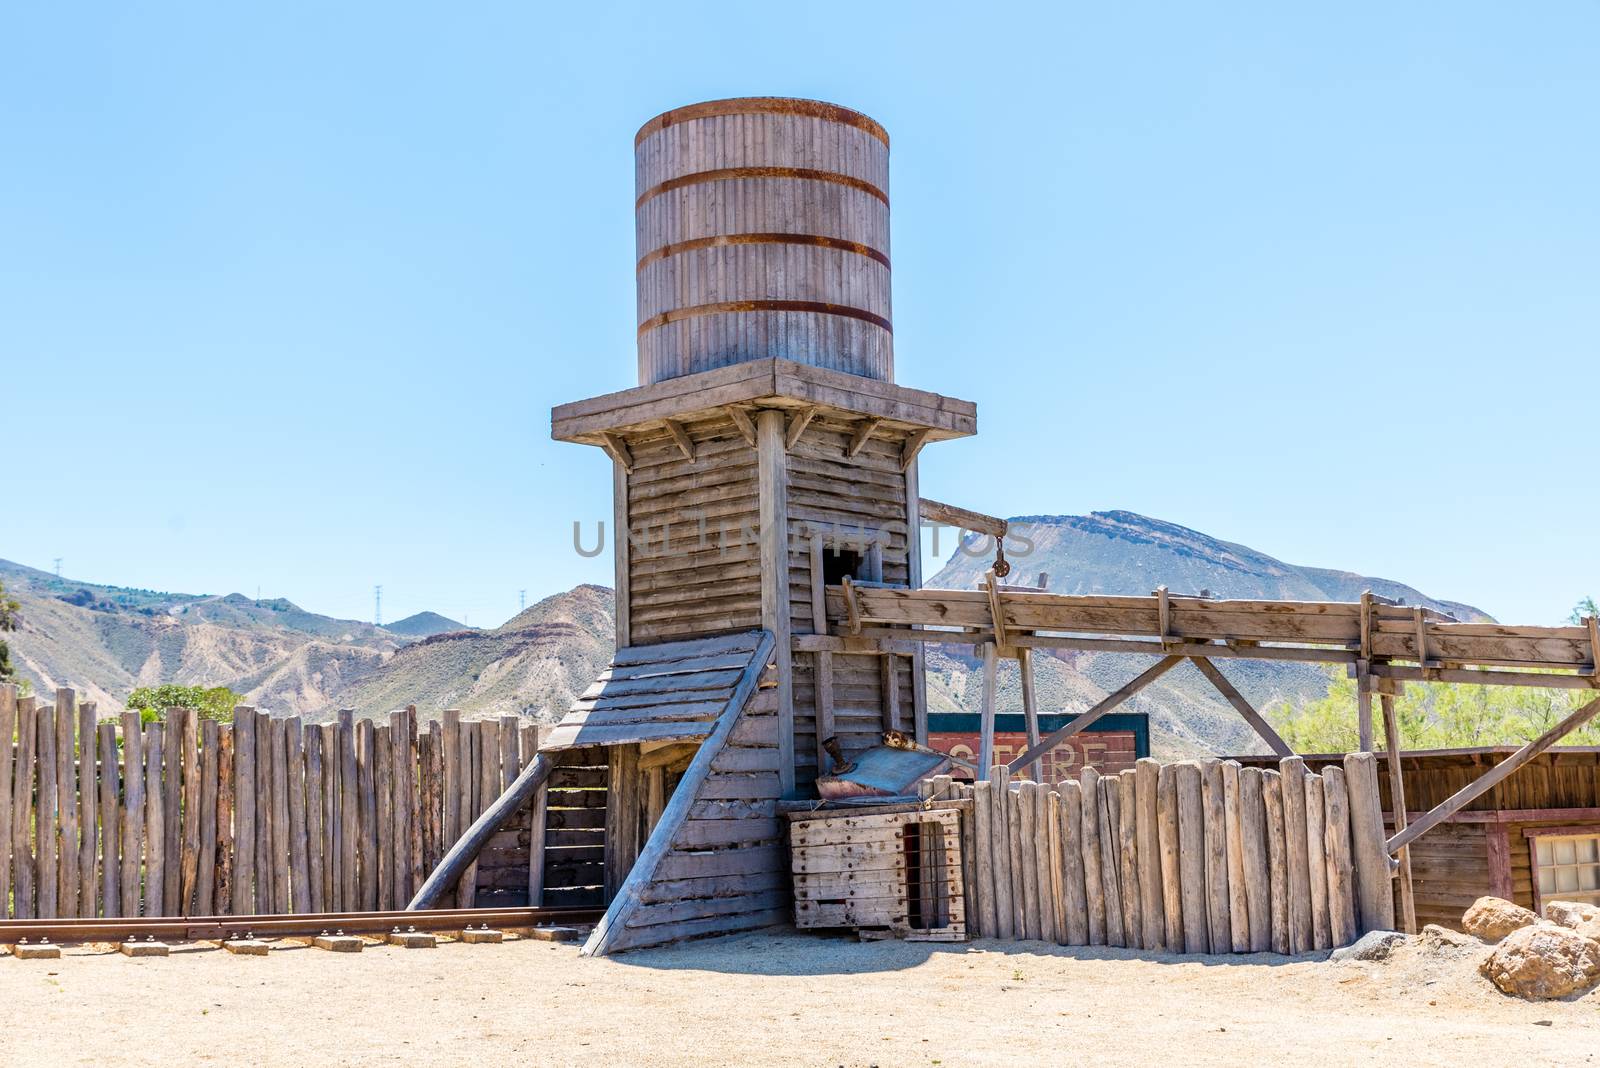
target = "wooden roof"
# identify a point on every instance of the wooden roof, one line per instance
(769, 383)
(674, 691)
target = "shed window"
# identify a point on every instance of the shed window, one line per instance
(1568, 867)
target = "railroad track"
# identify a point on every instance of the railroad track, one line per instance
(214, 928)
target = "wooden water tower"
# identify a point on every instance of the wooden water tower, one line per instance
(767, 451)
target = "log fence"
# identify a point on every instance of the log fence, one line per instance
(1193, 857)
(194, 817)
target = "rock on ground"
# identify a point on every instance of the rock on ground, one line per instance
(1374, 945)
(1585, 919)
(1435, 938)
(1492, 918)
(1543, 961)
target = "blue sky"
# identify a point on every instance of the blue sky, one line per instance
(286, 294)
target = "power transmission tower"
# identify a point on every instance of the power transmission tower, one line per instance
(522, 600)
(58, 567)
(377, 606)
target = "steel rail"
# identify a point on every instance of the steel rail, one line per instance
(211, 928)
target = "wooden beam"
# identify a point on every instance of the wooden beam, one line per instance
(1495, 775)
(773, 491)
(996, 609)
(1478, 677)
(1397, 801)
(863, 431)
(852, 608)
(1163, 616)
(1593, 627)
(1030, 706)
(919, 670)
(986, 713)
(617, 449)
(913, 445)
(1366, 625)
(1420, 620)
(743, 423)
(1231, 694)
(1106, 704)
(1364, 705)
(466, 850)
(819, 591)
(628, 896)
(621, 555)
(680, 437)
(939, 512)
(797, 426)
(891, 695)
(824, 710)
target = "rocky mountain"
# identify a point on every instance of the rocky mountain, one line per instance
(108, 640)
(1129, 554)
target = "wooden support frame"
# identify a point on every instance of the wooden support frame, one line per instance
(1397, 801)
(1495, 775)
(1030, 708)
(997, 610)
(986, 712)
(1105, 705)
(743, 423)
(680, 438)
(797, 426)
(1231, 694)
(964, 518)
(617, 449)
(773, 477)
(1593, 626)
(861, 435)
(914, 443)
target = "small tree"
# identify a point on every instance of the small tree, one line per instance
(10, 619)
(212, 702)
(1584, 609)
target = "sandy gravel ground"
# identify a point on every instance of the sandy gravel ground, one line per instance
(779, 999)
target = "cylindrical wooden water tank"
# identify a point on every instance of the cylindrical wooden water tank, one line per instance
(763, 230)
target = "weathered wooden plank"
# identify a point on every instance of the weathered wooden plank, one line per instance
(985, 917)
(205, 808)
(8, 726)
(1147, 823)
(1277, 859)
(69, 878)
(1019, 861)
(1093, 879)
(350, 884)
(316, 886)
(189, 763)
(1111, 859)
(1301, 933)
(1341, 874)
(1219, 924)
(130, 890)
(1000, 846)
(155, 837)
(1128, 851)
(266, 882)
(1024, 832)
(1257, 878)
(1317, 863)
(1192, 854)
(49, 874)
(1167, 838)
(242, 892)
(172, 746)
(383, 783)
(24, 870)
(110, 861)
(88, 822)
(366, 839)
(1069, 800)
(329, 744)
(1369, 852)
(284, 848)
(226, 869)
(1238, 897)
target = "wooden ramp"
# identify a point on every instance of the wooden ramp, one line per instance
(715, 862)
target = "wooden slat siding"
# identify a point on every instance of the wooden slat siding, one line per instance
(155, 834)
(88, 818)
(110, 820)
(1301, 924)
(366, 841)
(48, 869)
(205, 815)
(1369, 853)
(1257, 878)
(1238, 897)
(383, 785)
(131, 890)
(316, 887)
(1277, 859)
(24, 873)
(1317, 862)
(1192, 857)
(189, 759)
(265, 881)
(227, 804)
(470, 759)
(172, 812)
(350, 884)
(68, 880)
(8, 726)
(1341, 875)
(242, 891)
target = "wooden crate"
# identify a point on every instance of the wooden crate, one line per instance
(896, 869)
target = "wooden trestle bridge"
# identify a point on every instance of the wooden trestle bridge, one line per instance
(1382, 643)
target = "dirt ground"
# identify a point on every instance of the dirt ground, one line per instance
(773, 998)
